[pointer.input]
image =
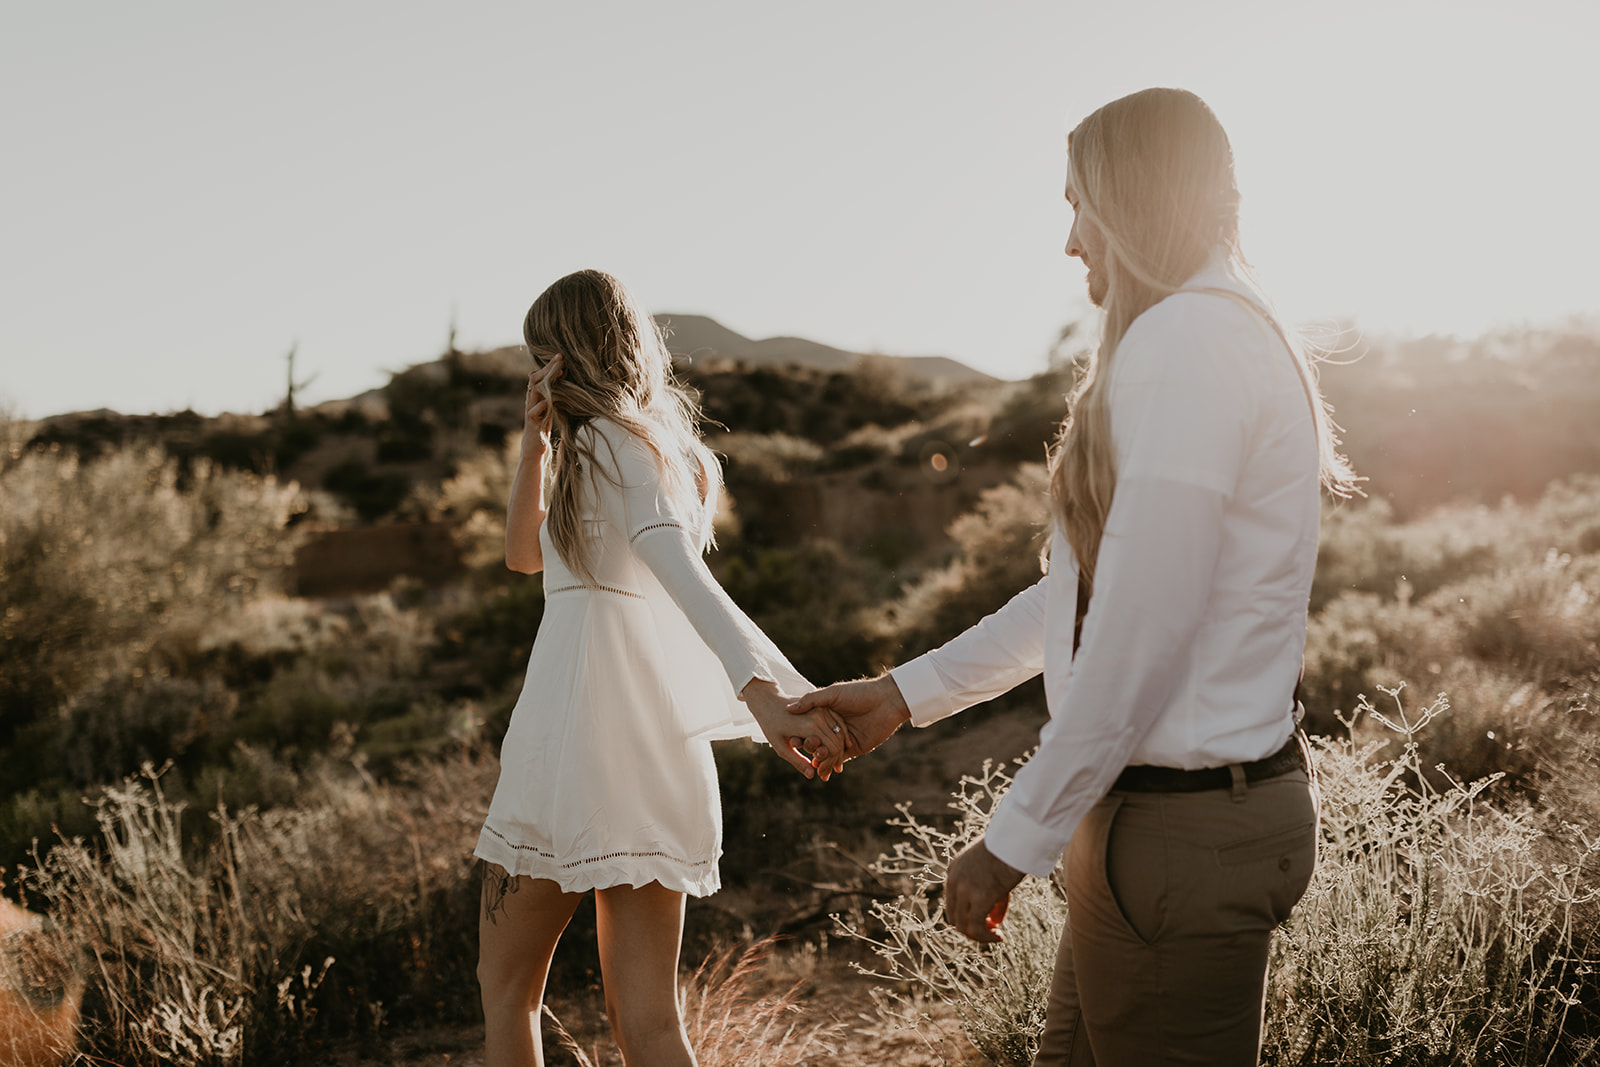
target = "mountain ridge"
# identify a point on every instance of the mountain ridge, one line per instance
(692, 336)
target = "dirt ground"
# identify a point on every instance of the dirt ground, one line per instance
(833, 996)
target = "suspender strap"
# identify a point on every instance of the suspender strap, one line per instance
(1077, 619)
(1262, 314)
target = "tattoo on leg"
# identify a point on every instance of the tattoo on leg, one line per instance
(496, 885)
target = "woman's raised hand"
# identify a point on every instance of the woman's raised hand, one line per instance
(536, 417)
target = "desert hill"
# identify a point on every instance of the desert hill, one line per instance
(700, 338)
(695, 336)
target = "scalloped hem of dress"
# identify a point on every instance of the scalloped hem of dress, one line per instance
(600, 872)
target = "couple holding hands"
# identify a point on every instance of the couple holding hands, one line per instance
(1185, 492)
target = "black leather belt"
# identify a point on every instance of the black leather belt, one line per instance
(1145, 779)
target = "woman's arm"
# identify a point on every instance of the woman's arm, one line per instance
(525, 510)
(760, 675)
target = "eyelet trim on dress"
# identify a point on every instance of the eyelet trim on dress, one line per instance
(600, 858)
(653, 526)
(597, 588)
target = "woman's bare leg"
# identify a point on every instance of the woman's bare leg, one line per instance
(521, 921)
(641, 931)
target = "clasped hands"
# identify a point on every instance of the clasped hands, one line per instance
(824, 728)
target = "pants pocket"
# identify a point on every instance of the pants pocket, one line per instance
(1282, 861)
(1133, 875)
(1275, 845)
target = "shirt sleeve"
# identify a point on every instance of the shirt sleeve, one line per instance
(660, 537)
(1152, 583)
(1001, 652)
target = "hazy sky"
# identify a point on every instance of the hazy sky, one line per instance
(190, 188)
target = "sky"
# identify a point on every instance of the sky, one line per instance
(190, 189)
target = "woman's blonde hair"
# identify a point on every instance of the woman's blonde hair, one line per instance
(1153, 172)
(615, 366)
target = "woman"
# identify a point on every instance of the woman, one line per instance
(607, 781)
(1184, 488)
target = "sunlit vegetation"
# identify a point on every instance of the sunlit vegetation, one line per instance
(245, 795)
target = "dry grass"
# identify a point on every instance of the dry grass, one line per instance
(729, 1024)
(731, 1019)
(232, 951)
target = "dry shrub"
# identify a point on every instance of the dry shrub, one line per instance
(766, 457)
(171, 957)
(1364, 550)
(477, 494)
(999, 992)
(1438, 928)
(998, 544)
(1500, 607)
(15, 433)
(862, 446)
(1541, 618)
(110, 569)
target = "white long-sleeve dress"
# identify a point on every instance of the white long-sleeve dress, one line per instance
(606, 775)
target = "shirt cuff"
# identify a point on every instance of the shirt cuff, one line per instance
(1017, 841)
(924, 691)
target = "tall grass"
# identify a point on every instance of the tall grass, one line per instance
(1439, 928)
(289, 927)
(729, 1022)
(731, 1025)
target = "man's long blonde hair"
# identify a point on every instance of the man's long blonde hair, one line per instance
(614, 365)
(1154, 172)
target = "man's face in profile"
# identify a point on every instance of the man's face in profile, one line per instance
(1087, 243)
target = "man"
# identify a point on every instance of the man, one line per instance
(1169, 628)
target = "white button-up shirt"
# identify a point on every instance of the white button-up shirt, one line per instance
(1195, 633)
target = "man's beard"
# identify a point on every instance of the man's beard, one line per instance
(1098, 287)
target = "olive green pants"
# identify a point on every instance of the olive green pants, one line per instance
(1171, 903)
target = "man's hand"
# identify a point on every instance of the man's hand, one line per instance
(770, 708)
(869, 710)
(977, 888)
